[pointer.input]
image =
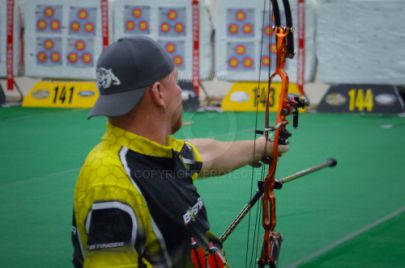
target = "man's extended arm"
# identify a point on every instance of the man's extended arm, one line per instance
(221, 157)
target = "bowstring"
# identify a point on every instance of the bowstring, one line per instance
(256, 231)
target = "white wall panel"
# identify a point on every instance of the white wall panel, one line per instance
(63, 38)
(170, 23)
(239, 27)
(361, 41)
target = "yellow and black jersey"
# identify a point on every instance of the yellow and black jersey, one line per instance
(135, 204)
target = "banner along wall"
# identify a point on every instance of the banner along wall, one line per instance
(16, 44)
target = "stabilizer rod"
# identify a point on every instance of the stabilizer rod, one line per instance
(279, 184)
(331, 162)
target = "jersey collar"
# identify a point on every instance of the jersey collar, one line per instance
(141, 144)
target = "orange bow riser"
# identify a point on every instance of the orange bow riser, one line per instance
(286, 105)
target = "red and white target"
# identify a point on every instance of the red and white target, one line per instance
(80, 52)
(175, 49)
(49, 51)
(240, 22)
(82, 21)
(49, 19)
(172, 22)
(240, 56)
(137, 19)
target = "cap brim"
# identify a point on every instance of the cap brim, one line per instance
(116, 104)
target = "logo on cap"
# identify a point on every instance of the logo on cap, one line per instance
(106, 78)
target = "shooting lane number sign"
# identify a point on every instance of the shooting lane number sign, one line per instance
(60, 94)
(251, 96)
(351, 98)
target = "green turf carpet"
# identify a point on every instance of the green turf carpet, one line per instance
(382, 246)
(42, 150)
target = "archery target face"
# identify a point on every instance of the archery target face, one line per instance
(137, 19)
(240, 56)
(48, 51)
(48, 19)
(80, 52)
(240, 22)
(175, 49)
(82, 21)
(172, 22)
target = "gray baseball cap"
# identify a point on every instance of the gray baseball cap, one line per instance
(124, 71)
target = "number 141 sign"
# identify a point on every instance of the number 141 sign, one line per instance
(61, 94)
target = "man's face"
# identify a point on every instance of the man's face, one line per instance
(174, 100)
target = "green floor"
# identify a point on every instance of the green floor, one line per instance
(350, 216)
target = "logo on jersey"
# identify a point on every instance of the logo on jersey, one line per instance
(192, 213)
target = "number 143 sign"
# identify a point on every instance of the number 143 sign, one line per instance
(251, 96)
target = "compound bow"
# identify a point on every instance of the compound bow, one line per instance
(287, 105)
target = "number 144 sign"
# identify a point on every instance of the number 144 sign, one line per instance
(384, 99)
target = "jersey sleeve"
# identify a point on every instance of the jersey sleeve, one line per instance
(113, 224)
(197, 160)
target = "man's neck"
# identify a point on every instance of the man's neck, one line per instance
(148, 126)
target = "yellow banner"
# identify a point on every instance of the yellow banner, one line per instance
(62, 94)
(251, 96)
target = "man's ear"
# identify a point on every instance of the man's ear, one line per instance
(157, 94)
